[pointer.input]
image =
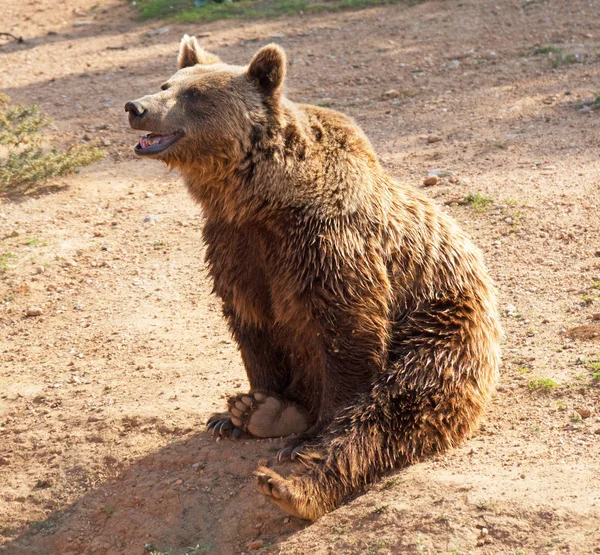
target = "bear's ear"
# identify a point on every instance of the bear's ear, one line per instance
(191, 53)
(267, 68)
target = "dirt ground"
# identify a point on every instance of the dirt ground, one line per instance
(103, 397)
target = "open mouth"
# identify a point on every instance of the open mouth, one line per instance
(153, 143)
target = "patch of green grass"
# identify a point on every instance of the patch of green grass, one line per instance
(4, 258)
(187, 11)
(595, 285)
(108, 510)
(26, 164)
(548, 49)
(42, 525)
(588, 299)
(380, 509)
(33, 241)
(542, 384)
(479, 202)
(555, 54)
(391, 483)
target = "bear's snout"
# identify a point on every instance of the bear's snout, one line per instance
(136, 111)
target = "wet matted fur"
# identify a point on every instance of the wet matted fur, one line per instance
(365, 318)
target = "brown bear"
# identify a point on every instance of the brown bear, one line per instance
(364, 316)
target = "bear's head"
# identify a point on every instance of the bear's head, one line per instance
(209, 114)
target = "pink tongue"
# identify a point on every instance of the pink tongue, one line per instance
(145, 142)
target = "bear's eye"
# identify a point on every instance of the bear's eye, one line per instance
(192, 94)
(164, 86)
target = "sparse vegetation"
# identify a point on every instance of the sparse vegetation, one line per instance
(380, 509)
(556, 55)
(479, 202)
(4, 259)
(390, 483)
(27, 164)
(188, 11)
(542, 384)
(588, 299)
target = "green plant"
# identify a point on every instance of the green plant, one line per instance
(555, 54)
(542, 384)
(380, 510)
(26, 164)
(595, 284)
(588, 299)
(189, 11)
(479, 202)
(390, 483)
(4, 258)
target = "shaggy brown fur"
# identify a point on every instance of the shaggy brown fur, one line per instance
(364, 316)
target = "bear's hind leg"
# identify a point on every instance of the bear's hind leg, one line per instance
(261, 414)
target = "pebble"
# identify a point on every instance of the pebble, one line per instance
(39, 269)
(34, 311)
(583, 412)
(257, 544)
(151, 218)
(148, 194)
(392, 93)
(596, 317)
(431, 180)
(179, 482)
(160, 31)
(433, 139)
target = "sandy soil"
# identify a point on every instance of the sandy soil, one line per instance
(103, 397)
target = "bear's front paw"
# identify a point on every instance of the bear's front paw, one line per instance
(222, 426)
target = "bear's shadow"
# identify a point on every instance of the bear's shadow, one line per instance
(192, 494)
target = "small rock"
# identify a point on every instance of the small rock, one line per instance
(179, 482)
(156, 32)
(40, 270)
(596, 317)
(151, 218)
(484, 531)
(431, 180)
(148, 194)
(433, 139)
(511, 308)
(257, 544)
(82, 23)
(277, 36)
(392, 93)
(583, 412)
(106, 142)
(34, 311)
(500, 388)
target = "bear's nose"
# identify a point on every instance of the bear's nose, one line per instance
(135, 108)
